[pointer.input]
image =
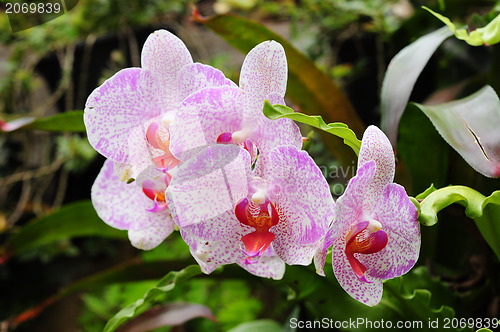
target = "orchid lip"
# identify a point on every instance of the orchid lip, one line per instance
(375, 241)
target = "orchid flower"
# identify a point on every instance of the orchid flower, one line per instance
(128, 116)
(278, 213)
(375, 233)
(142, 210)
(233, 115)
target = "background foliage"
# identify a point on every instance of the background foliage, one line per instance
(62, 269)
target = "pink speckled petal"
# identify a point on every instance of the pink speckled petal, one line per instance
(139, 154)
(215, 241)
(266, 267)
(209, 184)
(398, 216)
(358, 200)
(303, 200)
(367, 293)
(203, 117)
(322, 250)
(198, 76)
(165, 55)
(376, 146)
(123, 206)
(117, 108)
(264, 72)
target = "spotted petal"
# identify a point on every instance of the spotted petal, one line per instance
(264, 72)
(202, 117)
(376, 146)
(215, 241)
(209, 184)
(197, 76)
(398, 216)
(270, 266)
(164, 54)
(367, 293)
(123, 206)
(117, 108)
(303, 200)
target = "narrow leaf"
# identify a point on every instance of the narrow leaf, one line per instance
(471, 126)
(166, 284)
(338, 129)
(71, 121)
(489, 35)
(170, 314)
(72, 220)
(401, 75)
(485, 211)
(308, 87)
(261, 325)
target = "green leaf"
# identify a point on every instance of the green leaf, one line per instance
(489, 35)
(427, 192)
(338, 129)
(72, 220)
(261, 325)
(71, 121)
(485, 211)
(308, 87)
(471, 126)
(401, 75)
(166, 284)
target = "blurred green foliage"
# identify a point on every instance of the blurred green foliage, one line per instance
(351, 42)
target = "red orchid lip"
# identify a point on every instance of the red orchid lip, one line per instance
(374, 242)
(261, 217)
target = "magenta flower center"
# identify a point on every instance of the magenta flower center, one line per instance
(239, 139)
(364, 238)
(261, 217)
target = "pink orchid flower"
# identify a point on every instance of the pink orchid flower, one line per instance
(138, 207)
(128, 120)
(128, 117)
(233, 115)
(261, 219)
(375, 233)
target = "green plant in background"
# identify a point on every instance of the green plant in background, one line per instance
(456, 275)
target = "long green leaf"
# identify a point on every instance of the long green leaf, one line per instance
(71, 121)
(308, 87)
(166, 284)
(338, 129)
(471, 126)
(401, 75)
(73, 220)
(485, 211)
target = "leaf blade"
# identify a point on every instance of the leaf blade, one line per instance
(401, 75)
(470, 125)
(72, 220)
(337, 128)
(71, 121)
(166, 284)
